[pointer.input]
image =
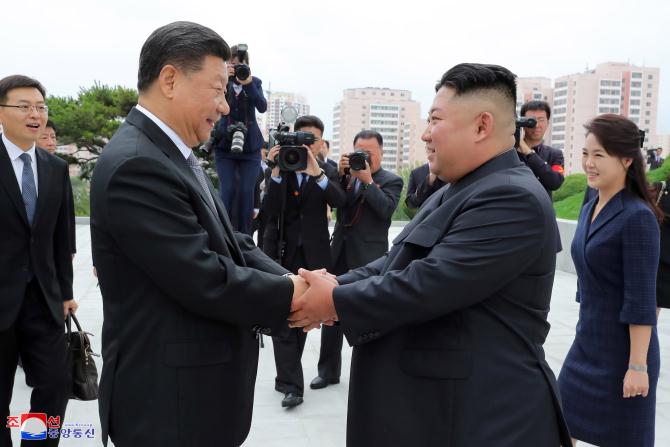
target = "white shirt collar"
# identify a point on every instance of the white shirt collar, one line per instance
(15, 152)
(183, 148)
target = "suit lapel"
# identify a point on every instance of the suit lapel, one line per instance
(609, 211)
(44, 174)
(8, 181)
(222, 213)
(165, 144)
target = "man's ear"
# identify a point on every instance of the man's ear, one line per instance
(484, 123)
(167, 80)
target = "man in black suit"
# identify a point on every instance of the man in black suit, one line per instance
(303, 199)
(325, 151)
(361, 233)
(448, 327)
(422, 184)
(184, 297)
(35, 259)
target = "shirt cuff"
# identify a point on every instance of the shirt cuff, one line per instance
(323, 184)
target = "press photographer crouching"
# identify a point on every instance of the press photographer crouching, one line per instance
(238, 139)
(298, 194)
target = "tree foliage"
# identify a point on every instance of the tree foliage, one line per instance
(89, 120)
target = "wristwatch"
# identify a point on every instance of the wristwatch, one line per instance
(321, 176)
(634, 367)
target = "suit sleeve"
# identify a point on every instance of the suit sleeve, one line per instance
(383, 200)
(255, 94)
(549, 173)
(498, 233)
(335, 196)
(73, 223)
(410, 199)
(641, 250)
(273, 198)
(149, 212)
(374, 268)
(63, 241)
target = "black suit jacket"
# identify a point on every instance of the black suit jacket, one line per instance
(44, 247)
(418, 189)
(448, 328)
(305, 218)
(364, 220)
(182, 296)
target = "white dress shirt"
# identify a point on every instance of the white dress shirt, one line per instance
(183, 148)
(15, 153)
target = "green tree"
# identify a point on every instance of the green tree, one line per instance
(89, 120)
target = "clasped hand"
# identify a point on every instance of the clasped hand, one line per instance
(312, 303)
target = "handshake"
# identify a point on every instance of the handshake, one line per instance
(312, 303)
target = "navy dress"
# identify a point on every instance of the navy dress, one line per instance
(616, 258)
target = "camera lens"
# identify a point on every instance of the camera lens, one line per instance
(292, 157)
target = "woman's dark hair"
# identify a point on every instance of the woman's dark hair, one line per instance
(182, 44)
(621, 138)
(242, 56)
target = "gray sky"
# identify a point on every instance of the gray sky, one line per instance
(318, 48)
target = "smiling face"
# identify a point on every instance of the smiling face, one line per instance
(23, 129)
(199, 100)
(604, 172)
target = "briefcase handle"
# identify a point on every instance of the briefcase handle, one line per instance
(68, 323)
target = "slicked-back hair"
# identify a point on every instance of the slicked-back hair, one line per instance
(182, 44)
(535, 105)
(19, 81)
(367, 134)
(308, 121)
(470, 78)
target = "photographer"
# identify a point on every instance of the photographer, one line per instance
(239, 139)
(295, 206)
(361, 231)
(546, 162)
(654, 159)
(422, 184)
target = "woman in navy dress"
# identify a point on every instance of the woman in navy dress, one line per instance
(608, 380)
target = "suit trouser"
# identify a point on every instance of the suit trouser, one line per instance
(239, 187)
(288, 346)
(330, 354)
(41, 343)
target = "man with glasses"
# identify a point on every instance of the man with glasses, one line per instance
(546, 162)
(35, 260)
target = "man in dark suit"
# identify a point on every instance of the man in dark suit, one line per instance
(185, 298)
(422, 184)
(361, 233)
(35, 259)
(302, 198)
(656, 161)
(448, 327)
(325, 151)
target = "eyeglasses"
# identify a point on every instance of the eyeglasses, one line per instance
(28, 108)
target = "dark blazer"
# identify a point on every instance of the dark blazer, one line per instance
(448, 327)
(364, 219)
(43, 248)
(243, 108)
(182, 297)
(418, 189)
(305, 219)
(663, 278)
(547, 164)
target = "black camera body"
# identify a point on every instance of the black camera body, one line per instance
(236, 132)
(358, 160)
(292, 155)
(242, 71)
(523, 121)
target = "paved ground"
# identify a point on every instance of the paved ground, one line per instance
(321, 420)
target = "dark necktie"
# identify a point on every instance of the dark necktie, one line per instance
(28, 189)
(194, 164)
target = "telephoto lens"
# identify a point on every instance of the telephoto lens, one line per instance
(237, 144)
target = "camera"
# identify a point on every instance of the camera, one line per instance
(236, 133)
(242, 71)
(358, 160)
(292, 155)
(523, 121)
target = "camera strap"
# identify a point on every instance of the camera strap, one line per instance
(281, 243)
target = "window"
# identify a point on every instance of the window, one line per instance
(635, 102)
(648, 95)
(636, 84)
(647, 113)
(650, 77)
(648, 104)
(637, 76)
(646, 122)
(635, 93)
(634, 111)
(561, 84)
(560, 102)
(650, 86)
